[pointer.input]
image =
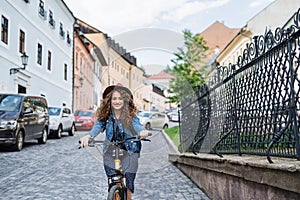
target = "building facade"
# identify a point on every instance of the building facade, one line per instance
(87, 94)
(120, 66)
(155, 92)
(277, 14)
(43, 30)
(83, 73)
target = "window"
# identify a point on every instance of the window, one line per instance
(61, 30)
(80, 66)
(67, 111)
(4, 29)
(49, 61)
(42, 11)
(76, 59)
(68, 38)
(39, 54)
(21, 41)
(66, 72)
(51, 20)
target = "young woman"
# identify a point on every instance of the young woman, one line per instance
(117, 116)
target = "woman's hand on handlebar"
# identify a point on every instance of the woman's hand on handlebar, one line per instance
(84, 141)
(144, 133)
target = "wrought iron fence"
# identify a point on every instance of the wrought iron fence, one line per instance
(251, 107)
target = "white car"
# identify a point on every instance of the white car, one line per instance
(151, 119)
(173, 116)
(61, 120)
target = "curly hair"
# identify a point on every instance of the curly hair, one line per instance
(129, 109)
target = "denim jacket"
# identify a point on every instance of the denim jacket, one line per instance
(110, 127)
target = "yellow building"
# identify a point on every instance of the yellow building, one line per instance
(270, 18)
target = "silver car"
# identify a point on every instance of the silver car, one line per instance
(61, 120)
(151, 119)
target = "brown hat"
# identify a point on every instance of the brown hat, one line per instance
(115, 87)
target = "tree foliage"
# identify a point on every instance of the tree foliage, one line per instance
(189, 69)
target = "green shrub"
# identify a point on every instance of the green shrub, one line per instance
(173, 134)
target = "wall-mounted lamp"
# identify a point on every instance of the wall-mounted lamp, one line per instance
(24, 58)
(80, 82)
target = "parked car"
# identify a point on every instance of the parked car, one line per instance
(152, 119)
(61, 120)
(84, 119)
(23, 118)
(173, 116)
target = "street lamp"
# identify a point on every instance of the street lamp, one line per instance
(24, 58)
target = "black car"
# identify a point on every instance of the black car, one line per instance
(23, 118)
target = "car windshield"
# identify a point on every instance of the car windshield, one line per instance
(54, 111)
(144, 114)
(10, 103)
(83, 113)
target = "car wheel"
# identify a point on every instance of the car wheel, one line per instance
(165, 126)
(19, 141)
(148, 126)
(58, 133)
(43, 139)
(72, 130)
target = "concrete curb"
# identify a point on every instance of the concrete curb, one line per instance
(172, 146)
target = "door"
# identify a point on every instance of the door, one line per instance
(67, 118)
(21, 89)
(40, 113)
(28, 118)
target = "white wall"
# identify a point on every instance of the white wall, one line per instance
(37, 78)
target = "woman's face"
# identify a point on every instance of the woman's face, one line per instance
(117, 100)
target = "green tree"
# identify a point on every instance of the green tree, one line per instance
(189, 70)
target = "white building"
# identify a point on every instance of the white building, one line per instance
(44, 31)
(155, 92)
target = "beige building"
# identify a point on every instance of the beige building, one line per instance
(155, 92)
(275, 15)
(121, 66)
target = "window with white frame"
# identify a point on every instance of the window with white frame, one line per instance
(4, 29)
(39, 53)
(21, 41)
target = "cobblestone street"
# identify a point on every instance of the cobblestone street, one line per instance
(59, 170)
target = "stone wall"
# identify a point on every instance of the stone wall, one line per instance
(241, 177)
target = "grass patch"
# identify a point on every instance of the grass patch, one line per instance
(173, 134)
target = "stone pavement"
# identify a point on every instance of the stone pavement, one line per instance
(61, 171)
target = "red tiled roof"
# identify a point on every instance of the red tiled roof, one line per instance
(219, 35)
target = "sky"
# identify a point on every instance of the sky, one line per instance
(152, 30)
